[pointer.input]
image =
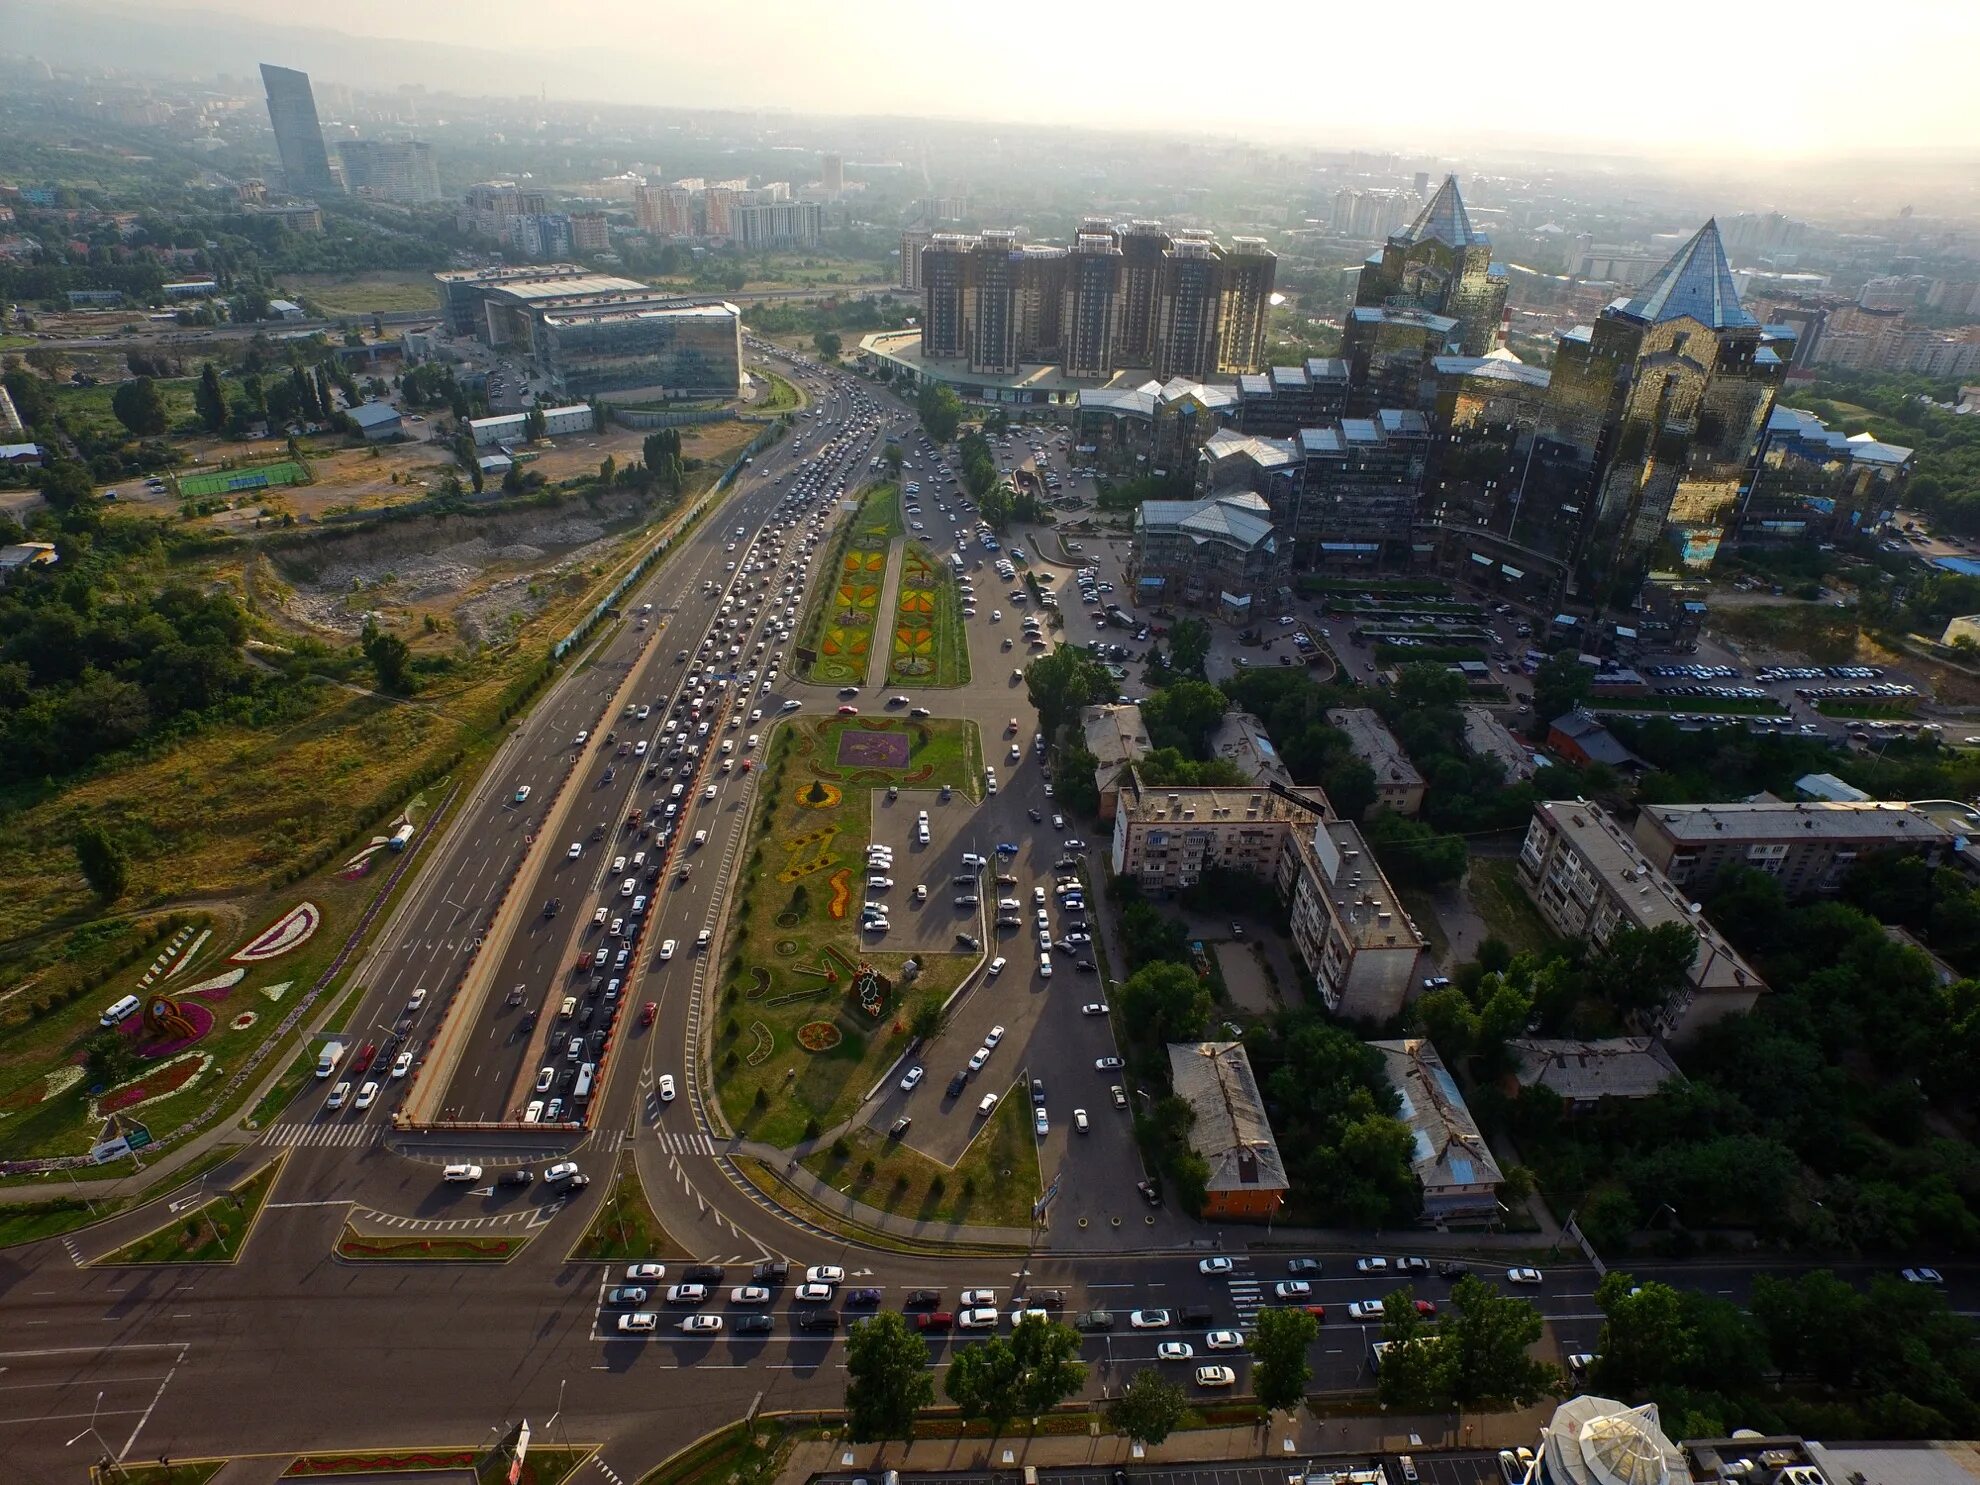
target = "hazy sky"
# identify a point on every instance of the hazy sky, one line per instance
(1752, 77)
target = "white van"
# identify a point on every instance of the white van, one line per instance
(119, 1013)
(1044, 966)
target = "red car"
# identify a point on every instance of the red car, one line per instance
(648, 1012)
(363, 1059)
(934, 1320)
(1318, 1312)
(848, 711)
(1426, 1307)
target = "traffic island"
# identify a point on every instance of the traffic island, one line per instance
(187, 1472)
(544, 1465)
(214, 1232)
(625, 1229)
(413, 1247)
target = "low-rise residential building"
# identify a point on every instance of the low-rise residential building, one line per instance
(377, 421)
(1115, 736)
(1398, 786)
(508, 427)
(1349, 930)
(1583, 1073)
(1167, 838)
(1827, 786)
(1583, 741)
(20, 453)
(1231, 1131)
(1485, 736)
(1588, 878)
(1453, 1164)
(1241, 740)
(1807, 846)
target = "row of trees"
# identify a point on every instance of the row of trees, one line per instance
(1034, 1369)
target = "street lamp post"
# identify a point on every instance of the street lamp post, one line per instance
(90, 1432)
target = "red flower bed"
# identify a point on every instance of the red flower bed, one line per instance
(168, 1080)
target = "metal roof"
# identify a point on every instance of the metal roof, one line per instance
(1231, 1130)
(1449, 1150)
(1443, 219)
(374, 414)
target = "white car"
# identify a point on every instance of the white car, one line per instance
(1225, 1340)
(993, 1036)
(1292, 1289)
(1216, 1376)
(1214, 1266)
(825, 1273)
(638, 1321)
(982, 1317)
(666, 1087)
(1365, 1309)
(366, 1096)
(814, 1294)
(1175, 1351)
(749, 1294)
(339, 1095)
(402, 1064)
(1148, 1319)
(645, 1273)
(1523, 1276)
(912, 1079)
(701, 1324)
(666, 948)
(997, 966)
(1371, 1265)
(1094, 1008)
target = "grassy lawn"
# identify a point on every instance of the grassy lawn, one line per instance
(196, 1473)
(1509, 915)
(625, 1229)
(362, 293)
(994, 1186)
(213, 1232)
(1745, 706)
(362, 1247)
(1871, 709)
(844, 619)
(781, 396)
(92, 404)
(927, 644)
(795, 943)
(734, 1453)
(294, 1078)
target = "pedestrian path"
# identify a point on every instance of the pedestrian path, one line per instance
(321, 1136)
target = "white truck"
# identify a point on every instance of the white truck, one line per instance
(328, 1058)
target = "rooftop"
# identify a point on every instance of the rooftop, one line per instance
(1205, 806)
(1115, 734)
(1242, 518)
(374, 414)
(1840, 820)
(1598, 1441)
(1492, 368)
(1614, 1067)
(1266, 453)
(1375, 745)
(1443, 219)
(606, 314)
(1697, 284)
(1231, 1131)
(1449, 1149)
(1241, 738)
(1365, 905)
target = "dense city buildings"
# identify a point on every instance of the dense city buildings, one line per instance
(494, 209)
(1588, 879)
(1440, 264)
(1810, 481)
(298, 133)
(399, 170)
(761, 226)
(1223, 551)
(1167, 838)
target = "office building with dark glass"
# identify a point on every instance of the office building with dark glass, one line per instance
(1441, 264)
(298, 134)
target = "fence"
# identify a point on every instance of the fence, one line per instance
(687, 417)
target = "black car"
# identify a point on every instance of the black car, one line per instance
(550, 908)
(1194, 1315)
(864, 1299)
(702, 1273)
(1038, 1090)
(1297, 1266)
(1094, 1320)
(770, 1271)
(752, 1324)
(923, 1299)
(1453, 1270)
(1150, 1192)
(816, 1320)
(522, 1175)
(956, 1084)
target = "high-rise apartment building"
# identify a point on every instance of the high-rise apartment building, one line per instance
(492, 209)
(1184, 334)
(717, 202)
(590, 232)
(1440, 264)
(990, 303)
(832, 174)
(760, 225)
(1142, 246)
(1244, 297)
(390, 169)
(913, 240)
(945, 264)
(1091, 317)
(298, 134)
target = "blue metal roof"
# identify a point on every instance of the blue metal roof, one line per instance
(1443, 219)
(1697, 284)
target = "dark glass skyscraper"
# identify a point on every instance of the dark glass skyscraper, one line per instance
(1439, 264)
(298, 135)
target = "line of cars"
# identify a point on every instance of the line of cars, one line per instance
(358, 1092)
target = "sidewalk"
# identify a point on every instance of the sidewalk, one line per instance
(1289, 1440)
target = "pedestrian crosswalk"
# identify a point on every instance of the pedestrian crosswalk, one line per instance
(675, 1143)
(321, 1136)
(1247, 1298)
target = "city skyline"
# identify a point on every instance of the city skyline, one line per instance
(799, 62)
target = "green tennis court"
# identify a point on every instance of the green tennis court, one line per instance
(228, 481)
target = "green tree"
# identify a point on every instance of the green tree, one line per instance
(535, 425)
(108, 1058)
(139, 407)
(1423, 685)
(1189, 645)
(1280, 1368)
(1182, 715)
(390, 657)
(1641, 968)
(1413, 1376)
(1163, 1002)
(608, 469)
(1413, 853)
(1148, 1409)
(209, 401)
(104, 865)
(891, 457)
(1060, 683)
(1029, 1372)
(939, 410)
(1484, 1340)
(1644, 1341)
(827, 343)
(982, 1381)
(1560, 685)
(887, 1378)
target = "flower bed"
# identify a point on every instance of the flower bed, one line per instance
(371, 1464)
(927, 644)
(157, 1084)
(819, 1036)
(291, 931)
